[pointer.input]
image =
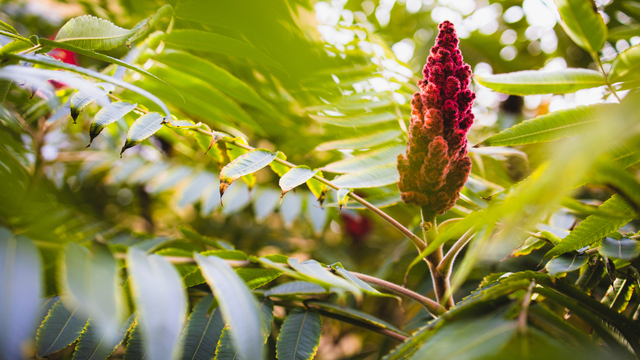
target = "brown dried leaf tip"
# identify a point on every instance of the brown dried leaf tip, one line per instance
(436, 166)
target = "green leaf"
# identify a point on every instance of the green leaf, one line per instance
(531, 82)
(215, 75)
(295, 177)
(227, 348)
(202, 332)
(245, 164)
(92, 33)
(137, 349)
(59, 329)
(566, 263)
(327, 309)
(625, 66)
(15, 46)
(102, 57)
(318, 188)
(312, 270)
(387, 155)
(141, 129)
(8, 27)
(342, 196)
(582, 22)
(238, 306)
(257, 277)
(143, 28)
(590, 276)
(356, 120)
(82, 98)
(20, 297)
(295, 288)
(42, 60)
(366, 288)
(299, 335)
(624, 249)
(552, 126)
(226, 254)
(157, 289)
(619, 294)
(193, 192)
(108, 115)
(277, 167)
(360, 142)
(94, 346)
(81, 270)
(219, 44)
(624, 32)
(528, 246)
(594, 227)
(195, 237)
(373, 177)
(614, 176)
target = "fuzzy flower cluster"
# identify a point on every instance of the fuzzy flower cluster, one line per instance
(436, 165)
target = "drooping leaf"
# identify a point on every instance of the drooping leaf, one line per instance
(59, 329)
(277, 167)
(366, 288)
(295, 177)
(290, 209)
(314, 271)
(157, 289)
(299, 335)
(202, 332)
(531, 82)
(227, 348)
(342, 197)
(590, 276)
(356, 120)
(141, 129)
(624, 249)
(45, 61)
(387, 155)
(295, 288)
(316, 214)
(219, 44)
(92, 33)
(108, 115)
(93, 345)
(373, 177)
(82, 98)
(528, 246)
(360, 142)
(619, 294)
(238, 306)
(245, 164)
(582, 22)
(20, 297)
(566, 263)
(594, 227)
(318, 188)
(265, 203)
(345, 312)
(257, 277)
(217, 76)
(552, 126)
(80, 272)
(193, 192)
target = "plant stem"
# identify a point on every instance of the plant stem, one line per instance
(522, 317)
(432, 307)
(596, 58)
(441, 282)
(413, 237)
(446, 264)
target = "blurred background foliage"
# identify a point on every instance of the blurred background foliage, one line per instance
(307, 61)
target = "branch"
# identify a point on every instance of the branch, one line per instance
(441, 281)
(189, 260)
(413, 237)
(432, 307)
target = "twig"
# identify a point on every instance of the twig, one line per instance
(432, 307)
(413, 237)
(446, 264)
(522, 317)
(441, 282)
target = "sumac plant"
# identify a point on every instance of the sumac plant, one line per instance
(231, 143)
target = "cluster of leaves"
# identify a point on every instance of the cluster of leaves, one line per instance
(185, 98)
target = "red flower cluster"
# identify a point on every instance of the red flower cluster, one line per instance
(436, 166)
